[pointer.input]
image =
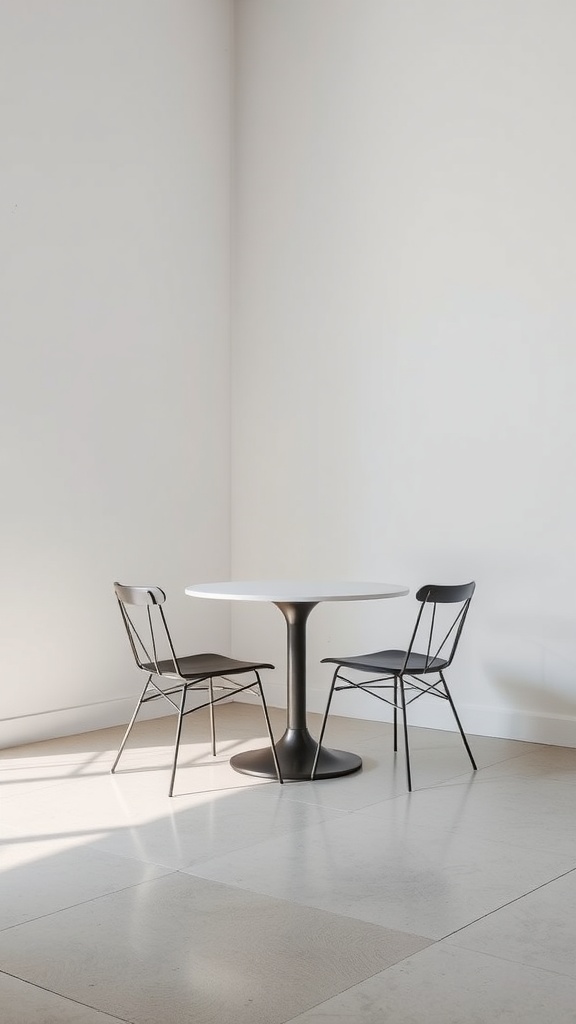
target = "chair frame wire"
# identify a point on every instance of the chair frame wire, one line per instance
(401, 679)
(153, 598)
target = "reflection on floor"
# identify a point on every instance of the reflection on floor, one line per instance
(242, 901)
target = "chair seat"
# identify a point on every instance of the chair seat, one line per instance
(392, 662)
(201, 666)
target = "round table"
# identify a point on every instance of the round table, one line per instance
(296, 749)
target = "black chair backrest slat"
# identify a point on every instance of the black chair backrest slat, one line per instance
(139, 595)
(432, 631)
(152, 624)
(446, 595)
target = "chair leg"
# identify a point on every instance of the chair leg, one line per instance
(406, 745)
(458, 723)
(212, 721)
(130, 724)
(269, 727)
(177, 741)
(395, 714)
(323, 726)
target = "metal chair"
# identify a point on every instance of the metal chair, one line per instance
(405, 673)
(171, 678)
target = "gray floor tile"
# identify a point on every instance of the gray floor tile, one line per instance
(21, 1003)
(181, 948)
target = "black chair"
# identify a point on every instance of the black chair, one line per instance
(406, 673)
(171, 678)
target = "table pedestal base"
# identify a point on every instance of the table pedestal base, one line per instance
(296, 752)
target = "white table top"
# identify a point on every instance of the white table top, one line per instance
(295, 590)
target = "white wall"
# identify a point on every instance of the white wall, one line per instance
(403, 355)
(114, 326)
(404, 351)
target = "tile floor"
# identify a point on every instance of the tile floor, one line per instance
(242, 901)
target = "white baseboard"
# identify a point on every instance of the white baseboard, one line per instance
(510, 723)
(504, 723)
(47, 725)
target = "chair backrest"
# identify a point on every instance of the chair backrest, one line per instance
(146, 626)
(438, 629)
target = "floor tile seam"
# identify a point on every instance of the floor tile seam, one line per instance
(254, 846)
(57, 760)
(68, 999)
(166, 869)
(223, 791)
(333, 814)
(316, 908)
(391, 798)
(341, 811)
(311, 907)
(551, 776)
(172, 805)
(514, 757)
(454, 782)
(336, 814)
(458, 779)
(456, 831)
(507, 960)
(35, 787)
(19, 772)
(494, 765)
(188, 868)
(508, 903)
(462, 779)
(510, 845)
(369, 977)
(92, 836)
(60, 759)
(32, 788)
(93, 899)
(475, 777)
(440, 831)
